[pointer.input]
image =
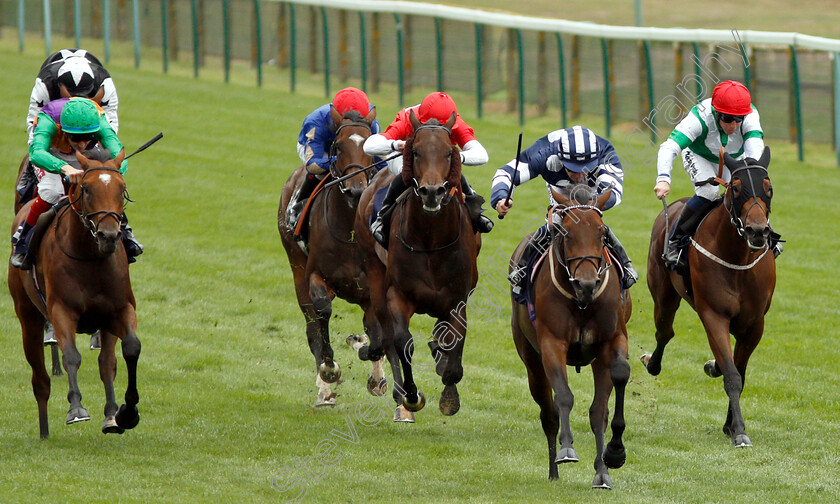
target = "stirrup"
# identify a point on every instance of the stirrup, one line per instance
(376, 229)
(21, 261)
(778, 248)
(631, 276)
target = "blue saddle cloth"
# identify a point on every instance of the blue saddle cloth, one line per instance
(378, 199)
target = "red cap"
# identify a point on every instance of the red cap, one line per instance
(351, 99)
(438, 105)
(730, 97)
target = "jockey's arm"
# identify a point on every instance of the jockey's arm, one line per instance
(316, 159)
(39, 97)
(753, 136)
(39, 149)
(474, 154)
(110, 103)
(108, 138)
(380, 145)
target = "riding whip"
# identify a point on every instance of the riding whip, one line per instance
(146, 145)
(366, 168)
(515, 168)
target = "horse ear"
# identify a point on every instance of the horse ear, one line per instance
(765, 157)
(83, 161)
(415, 123)
(99, 95)
(120, 157)
(336, 117)
(62, 90)
(729, 161)
(369, 118)
(602, 200)
(560, 199)
(451, 121)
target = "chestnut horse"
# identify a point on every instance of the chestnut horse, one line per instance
(581, 317)
(329, 269)
(80, 282)
(732, 279)
(430, 265)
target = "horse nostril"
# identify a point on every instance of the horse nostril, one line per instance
(423, 191)
(439, 192)
(766, 232)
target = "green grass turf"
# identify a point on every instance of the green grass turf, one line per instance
(226, 379)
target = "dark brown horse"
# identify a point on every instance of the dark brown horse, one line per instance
(732, 279)
(80, 282)
(430, 265)
(331, 268)
(581, 317)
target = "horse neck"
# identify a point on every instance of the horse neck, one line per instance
(726, 244)
(431, 230)
(72, 235)
(338, 214)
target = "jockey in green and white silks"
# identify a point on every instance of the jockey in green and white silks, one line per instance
(727, 119)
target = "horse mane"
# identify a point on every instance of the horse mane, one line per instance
(454, 178)
(353, 115)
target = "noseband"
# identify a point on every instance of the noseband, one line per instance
(87, 217)
(334, 169)
(600, 263)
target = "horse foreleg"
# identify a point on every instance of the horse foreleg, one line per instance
(717, 331)
(401, 311)
(107, 372)
(541, 392)
(319, 339)
(65, 333)
(128, 417)
(554, 352)
(598, 417)
(745, 344)
(450, 335)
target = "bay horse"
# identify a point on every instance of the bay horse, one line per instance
(732, 279)
(581, 317)
(330, 269)
(430, 265)
(80, 282)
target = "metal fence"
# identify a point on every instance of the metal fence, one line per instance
(514, 64)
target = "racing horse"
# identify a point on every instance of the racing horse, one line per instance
(731, 284)
(430, 265)
(329, 269)
(80, 282)
(581, 317)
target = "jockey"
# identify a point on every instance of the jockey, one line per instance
(314, 142)
(565, 158)
(727, 119)
(72, 72)
(440, 106)
(67, 124)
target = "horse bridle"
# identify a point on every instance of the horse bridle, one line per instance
(730, 207)
(446, 185)
(86, 217)
(600, 263)
(334, 170)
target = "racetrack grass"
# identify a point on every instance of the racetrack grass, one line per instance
(226, 379)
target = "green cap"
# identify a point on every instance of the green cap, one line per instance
(79, 116)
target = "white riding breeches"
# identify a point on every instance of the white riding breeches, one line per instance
(701, 169)
(50, 185)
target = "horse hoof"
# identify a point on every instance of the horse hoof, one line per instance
(415, 407)
(402, 415)
(711, 369)
(651, 369)
(77, 415)
(329, 374)
(602, 482)
(614, 457)
(109, 426)
(324, 400)
(356, 340)
(450, 402)
(128, 417)
(741, 441)
(377, 388)
(565, 455)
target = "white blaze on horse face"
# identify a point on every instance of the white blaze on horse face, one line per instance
(105, 178)
(357, 138)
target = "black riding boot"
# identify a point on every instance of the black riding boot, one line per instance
(473, 200)
(381, 226)
(20, 259)
(538, 244)
(299, 197)
(133, 248)
(692, 213)
(630, 274)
